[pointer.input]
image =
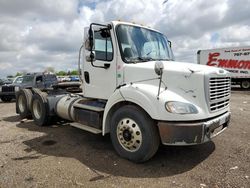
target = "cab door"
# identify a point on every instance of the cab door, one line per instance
(99, 76)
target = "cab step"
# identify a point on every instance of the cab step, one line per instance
(86, 128)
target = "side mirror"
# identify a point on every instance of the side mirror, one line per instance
(90, 56)
(159, 68)
(87, 45)
(170, 43)
(89, 39)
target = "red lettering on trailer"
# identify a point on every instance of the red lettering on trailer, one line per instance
(222, 62)
(213, 60)
(232, 63)
(240, 64)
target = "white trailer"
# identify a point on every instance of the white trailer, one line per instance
(135, 91)
(236, 60)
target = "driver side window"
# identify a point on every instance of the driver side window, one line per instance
(103, 45)
(39, 79)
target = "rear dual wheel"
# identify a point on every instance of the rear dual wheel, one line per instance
(23, 103)
(40, 109)
(33, 105)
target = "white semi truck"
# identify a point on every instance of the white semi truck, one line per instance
(135, 91)
(236, 60)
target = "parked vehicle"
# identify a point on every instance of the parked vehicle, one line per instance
(67, 79)
(60, 78)
(1, 82)
(7, 90)
(5, 81)
(63, 78)
(236, 60)
(135, 91)
(74, 78)
(18, 80)
(31, 80)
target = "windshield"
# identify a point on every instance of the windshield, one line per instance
(139, 44)
(18, 80)
(27, 78)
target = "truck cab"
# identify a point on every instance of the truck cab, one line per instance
(135, 91)
(29, 80)
(124, 57)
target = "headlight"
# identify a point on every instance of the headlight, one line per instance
(180, 108)
(17, 88)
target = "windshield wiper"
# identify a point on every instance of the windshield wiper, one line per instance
(139, 59)
(162, 59)
(144, 59)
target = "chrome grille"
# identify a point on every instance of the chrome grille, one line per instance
(8, 89)
(219, 92)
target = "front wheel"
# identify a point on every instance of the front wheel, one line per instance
(134, 134)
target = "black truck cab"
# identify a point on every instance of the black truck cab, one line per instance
(30, 80)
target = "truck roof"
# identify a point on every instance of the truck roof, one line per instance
(115, 23)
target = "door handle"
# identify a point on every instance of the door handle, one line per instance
(106, 65)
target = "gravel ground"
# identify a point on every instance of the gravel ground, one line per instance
(63, 156)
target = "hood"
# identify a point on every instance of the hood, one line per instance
(187, 81)
(8, 85)
(11, 85)
(22, 85)
(178, 70)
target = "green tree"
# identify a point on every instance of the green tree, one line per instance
(18, 74)
(61, 73)
(74, 72)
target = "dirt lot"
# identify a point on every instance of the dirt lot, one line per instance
(63, 156)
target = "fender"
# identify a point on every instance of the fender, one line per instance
(145, 96)
(133, 94)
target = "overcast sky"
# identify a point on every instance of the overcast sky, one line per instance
(35, 34)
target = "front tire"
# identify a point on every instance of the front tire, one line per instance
(134, 134)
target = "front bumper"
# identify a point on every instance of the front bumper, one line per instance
(182, 133)
(10, 94)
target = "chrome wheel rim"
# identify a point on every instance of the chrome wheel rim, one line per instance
(129, 135)
(37, 109)
(21, 103)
